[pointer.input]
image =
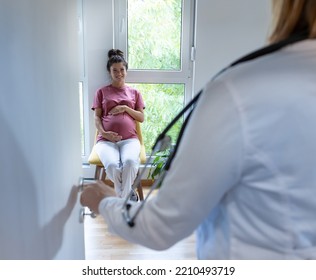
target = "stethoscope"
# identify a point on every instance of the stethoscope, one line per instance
(163, 141)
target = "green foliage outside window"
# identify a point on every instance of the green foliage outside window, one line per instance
(163, 102)
(154, 34)
(154, 43)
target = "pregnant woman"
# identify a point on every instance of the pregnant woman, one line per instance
(117, 107)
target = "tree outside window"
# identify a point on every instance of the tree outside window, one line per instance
(154, 30)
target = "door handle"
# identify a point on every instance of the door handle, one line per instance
(82, 214)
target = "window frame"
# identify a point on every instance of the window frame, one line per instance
(183, 76)
(82, 83)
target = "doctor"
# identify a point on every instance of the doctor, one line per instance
(249, 191)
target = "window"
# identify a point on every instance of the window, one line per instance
(154, 35)
(157, 39)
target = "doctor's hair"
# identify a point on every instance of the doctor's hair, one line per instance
(291, 17)
(115, 56)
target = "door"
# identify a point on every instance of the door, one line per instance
(40, 131)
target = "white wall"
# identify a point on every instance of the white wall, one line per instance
(98, 36)
(40, 135)
(98, 39)
(226, 30)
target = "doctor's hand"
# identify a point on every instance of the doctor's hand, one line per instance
(93, 193)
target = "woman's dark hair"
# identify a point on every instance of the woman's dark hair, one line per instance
(115, 56)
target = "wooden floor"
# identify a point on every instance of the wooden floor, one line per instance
(102, 245)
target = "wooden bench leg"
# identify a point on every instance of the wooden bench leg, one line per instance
(97, 172)
(140, 191)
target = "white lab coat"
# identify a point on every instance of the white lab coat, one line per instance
(245, 173)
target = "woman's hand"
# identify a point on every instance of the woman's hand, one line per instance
(112, 136)
(119, 109)
(93, 193)
(137, 115)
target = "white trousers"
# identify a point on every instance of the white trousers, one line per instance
(121, 162)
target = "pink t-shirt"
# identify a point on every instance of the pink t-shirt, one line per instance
(107, 98)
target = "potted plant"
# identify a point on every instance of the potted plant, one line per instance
(158, 163)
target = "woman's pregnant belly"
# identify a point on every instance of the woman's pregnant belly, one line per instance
(123, 124)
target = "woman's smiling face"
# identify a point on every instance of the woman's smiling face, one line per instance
(118, 72)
